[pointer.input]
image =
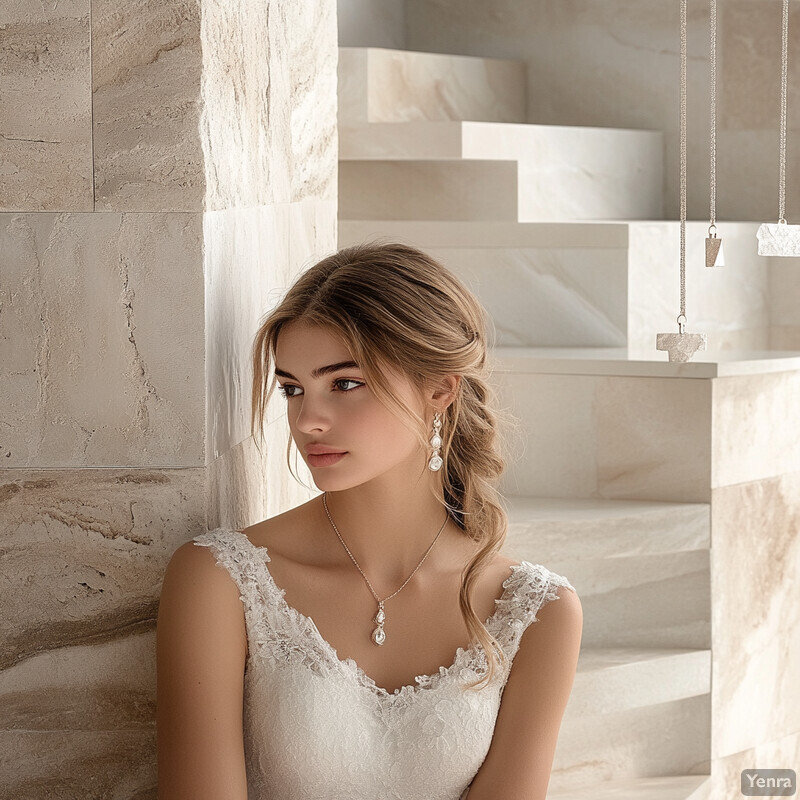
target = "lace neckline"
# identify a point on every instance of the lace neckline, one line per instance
(467, 659)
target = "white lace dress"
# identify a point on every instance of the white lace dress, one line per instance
(318, 728)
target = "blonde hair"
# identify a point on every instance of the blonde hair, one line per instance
(392, 304)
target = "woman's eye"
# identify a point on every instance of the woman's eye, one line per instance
(286, 388)
(348, 380)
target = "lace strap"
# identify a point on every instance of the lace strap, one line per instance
(528, 589)
(234, 552)
(273, 629)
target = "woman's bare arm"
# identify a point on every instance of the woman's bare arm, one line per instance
(201, 646)
(519, 761)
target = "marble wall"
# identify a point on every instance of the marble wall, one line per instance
(617, 65)
(166, 170)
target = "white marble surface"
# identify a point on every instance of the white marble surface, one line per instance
(102, 348)
(385, 85)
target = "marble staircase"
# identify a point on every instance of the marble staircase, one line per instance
(626, 463)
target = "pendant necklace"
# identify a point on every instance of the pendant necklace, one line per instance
(714, 254)
(379, 634)
(781, 239)
(682, 346)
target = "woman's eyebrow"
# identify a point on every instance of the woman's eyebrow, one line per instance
(320, 371)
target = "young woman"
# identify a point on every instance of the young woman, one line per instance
(371, 643)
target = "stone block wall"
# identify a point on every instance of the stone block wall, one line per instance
(166, 170)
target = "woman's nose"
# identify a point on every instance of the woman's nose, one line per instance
(312, 416)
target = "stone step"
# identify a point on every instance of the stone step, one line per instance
(384, 85)
(620, 174)
(641, 568)
(614, 679)
(606, 284)
(663, 787)
(669, 738)
(572, 529)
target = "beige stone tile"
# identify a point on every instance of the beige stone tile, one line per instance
(147, 66)
(756, 617)
(105, 684)
(756, 427)
(84, 559)
(85, 764)
(102, 340)
(46, 121)
(778, 753)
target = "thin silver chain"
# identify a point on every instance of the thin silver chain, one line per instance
(713, 59)
(325, 503)
(683, 158)
(784, 91)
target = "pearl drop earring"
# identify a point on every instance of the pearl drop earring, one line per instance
(436, 462)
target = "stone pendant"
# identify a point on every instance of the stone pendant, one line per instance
(379, 635)
(778, 239)
(715, 256)
(681, 346)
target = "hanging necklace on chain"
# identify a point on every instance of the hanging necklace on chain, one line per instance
(714, 255)
(379, 634)
(781, 239)
(682, 346)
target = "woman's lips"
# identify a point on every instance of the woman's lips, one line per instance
(325, 459)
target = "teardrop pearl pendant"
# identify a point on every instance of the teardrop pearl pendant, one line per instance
(379, 635)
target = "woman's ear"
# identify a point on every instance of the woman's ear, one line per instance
(446, 390)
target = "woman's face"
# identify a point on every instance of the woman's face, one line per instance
(339, 410)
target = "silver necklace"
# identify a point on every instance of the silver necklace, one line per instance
(379, 634)
(781, 239)
(714, 255)
(681, 346)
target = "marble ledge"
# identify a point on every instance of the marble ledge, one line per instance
(632, 362)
